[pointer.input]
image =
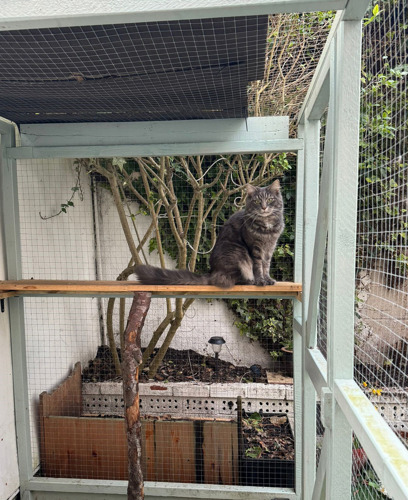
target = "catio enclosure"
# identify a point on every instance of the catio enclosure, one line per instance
(137, 130)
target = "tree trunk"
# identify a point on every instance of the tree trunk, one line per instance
(131, 360)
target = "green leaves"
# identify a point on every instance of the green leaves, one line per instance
(375, 13)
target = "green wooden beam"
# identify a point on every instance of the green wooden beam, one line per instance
(180, 149)
(385, 451)
(61, 488)
(11, 222)
(20, 15)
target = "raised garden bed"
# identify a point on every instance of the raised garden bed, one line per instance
(189, 449)
(77, 446)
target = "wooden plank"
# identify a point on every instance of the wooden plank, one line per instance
(321, 470)
(341, 248)
(163, 149)
(6, 295)
(128, 288)
(176, 131)
(21, 15)
(175, 451)
(148, 454)
(320, 233)
(220, 450)
(66, 399)
(384, 449)
(85, 448)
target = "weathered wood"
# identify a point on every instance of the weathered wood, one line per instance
(128, 288)
(220, 450)
(84, 448)
(131, 361)
(175, 451)
(65, 400)
(258, 128)
(6, 295)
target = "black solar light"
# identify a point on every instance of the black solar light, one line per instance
(216, 344)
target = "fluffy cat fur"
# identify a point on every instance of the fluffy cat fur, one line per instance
(243, 251)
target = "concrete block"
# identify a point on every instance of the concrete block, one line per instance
(113, 388)
(186, 389)
(91, 388)
(263, 391)
(228, 390)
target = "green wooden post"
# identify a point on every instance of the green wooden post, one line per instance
(311, 133)
(297, 321)
(9, 198)
(341, 250)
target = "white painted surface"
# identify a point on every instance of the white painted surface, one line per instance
(59, 331)
(9, 480)
(21, 14)
(172, 132)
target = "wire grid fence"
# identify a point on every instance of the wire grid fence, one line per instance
(381, 328)
(70, 229)
(322, 303)
(294, 45)
(188, 69)
(172, 70)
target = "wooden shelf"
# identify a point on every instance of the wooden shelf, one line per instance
(33, 288)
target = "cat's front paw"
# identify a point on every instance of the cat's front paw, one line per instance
(267, 280)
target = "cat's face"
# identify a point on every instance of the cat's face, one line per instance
(265, 201)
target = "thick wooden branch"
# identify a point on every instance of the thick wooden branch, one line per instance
(131, 361)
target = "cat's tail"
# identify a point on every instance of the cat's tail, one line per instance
(149, 275)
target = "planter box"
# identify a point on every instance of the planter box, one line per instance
(187, 451)
(267, 472)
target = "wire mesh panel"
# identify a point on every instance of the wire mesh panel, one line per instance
(72, 226)
(322, 302)
(381, 331)
(131, 72)
(95, 219)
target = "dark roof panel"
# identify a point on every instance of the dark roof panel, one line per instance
(131, 72)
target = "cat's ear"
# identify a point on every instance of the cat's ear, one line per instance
(275, 186)
(250, 189)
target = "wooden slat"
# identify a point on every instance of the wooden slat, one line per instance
(220, 450)
(5, 295)
(149, 452)
(127, 288)
(175, 451)
(85, 448)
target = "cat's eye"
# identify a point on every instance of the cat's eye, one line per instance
(271, 201)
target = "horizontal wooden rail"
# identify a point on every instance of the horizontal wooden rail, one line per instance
(32, 288)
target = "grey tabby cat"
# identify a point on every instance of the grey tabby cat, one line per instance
(243, 250)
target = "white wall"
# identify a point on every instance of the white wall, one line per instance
(9, 480)
(59, 331)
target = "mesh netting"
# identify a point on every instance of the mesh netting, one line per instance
(131, 72)
(71, 229)
(381, 338)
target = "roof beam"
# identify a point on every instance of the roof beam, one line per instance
(180, 149)
(183, 137)
(19, 14)
(355, 10)
(155, 132)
